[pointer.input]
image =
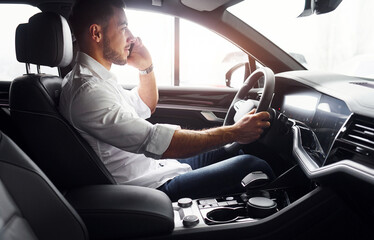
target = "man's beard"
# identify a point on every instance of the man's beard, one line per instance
(111, 54)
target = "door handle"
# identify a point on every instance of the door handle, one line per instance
(211, 117)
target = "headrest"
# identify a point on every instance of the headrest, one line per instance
(44, 40)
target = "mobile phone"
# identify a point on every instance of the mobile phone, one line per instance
(130, 49)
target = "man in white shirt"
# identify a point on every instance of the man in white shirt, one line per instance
(112, 119)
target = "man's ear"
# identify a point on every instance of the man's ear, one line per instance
(96, 32)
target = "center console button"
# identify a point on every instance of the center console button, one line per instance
(232, 202)
(190, 221)
(221, 204)
(185, 202)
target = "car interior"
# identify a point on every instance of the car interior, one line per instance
(54, 186)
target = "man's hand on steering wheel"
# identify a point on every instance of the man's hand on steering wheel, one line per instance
(250, 127)
(249, 112)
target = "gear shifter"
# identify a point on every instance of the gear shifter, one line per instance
(255, 180)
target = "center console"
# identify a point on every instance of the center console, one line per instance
(244, 207)
(120, 211)
(260, 201)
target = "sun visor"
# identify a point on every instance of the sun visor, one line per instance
(204, 5)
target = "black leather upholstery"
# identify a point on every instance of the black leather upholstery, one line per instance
(115, 211)
(48, 138)
(30, 206)
(14, 225)
(44, 134)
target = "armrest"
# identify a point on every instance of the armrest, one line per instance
(122, 211)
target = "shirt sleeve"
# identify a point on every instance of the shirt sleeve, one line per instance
(98, 111)
(140, 107)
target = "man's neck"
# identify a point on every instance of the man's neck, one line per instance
(98, 56)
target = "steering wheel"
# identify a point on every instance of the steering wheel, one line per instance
(241, 106)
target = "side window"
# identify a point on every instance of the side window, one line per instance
(10, 16)
(183, 53)
(205, 57)
(157, 34)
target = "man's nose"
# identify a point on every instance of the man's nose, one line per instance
(129, 37)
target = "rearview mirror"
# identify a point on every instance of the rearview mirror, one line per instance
(319, 7)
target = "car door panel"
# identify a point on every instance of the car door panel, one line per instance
(5, 123)
(193, 108)
(4, 93)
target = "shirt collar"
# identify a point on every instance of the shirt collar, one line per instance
(94, 66)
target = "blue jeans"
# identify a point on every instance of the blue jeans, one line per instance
(215, 173)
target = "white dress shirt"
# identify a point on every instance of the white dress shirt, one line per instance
(111, 119)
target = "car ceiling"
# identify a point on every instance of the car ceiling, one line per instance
(200, 5)
(195, 10)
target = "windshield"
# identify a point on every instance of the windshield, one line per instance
(341, 41)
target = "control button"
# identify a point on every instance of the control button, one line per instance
(190, 221)
(229, 198)
(233, 202)
(222, 204)
(185, 202)
(210, 201)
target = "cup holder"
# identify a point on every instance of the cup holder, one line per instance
(256, 208)
(226, 215)
(249, 206)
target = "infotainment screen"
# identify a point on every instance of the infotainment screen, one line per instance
(323, 114)
(329, 117)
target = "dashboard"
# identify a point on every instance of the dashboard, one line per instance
(333, 122)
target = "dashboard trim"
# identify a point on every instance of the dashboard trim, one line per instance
(312, 170)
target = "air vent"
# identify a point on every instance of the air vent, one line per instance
(355, 142)
(360, 132)
(364, 84)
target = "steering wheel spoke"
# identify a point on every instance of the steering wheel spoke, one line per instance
(243, 107)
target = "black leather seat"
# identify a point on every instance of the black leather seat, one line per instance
(43, 133)
(30, 206)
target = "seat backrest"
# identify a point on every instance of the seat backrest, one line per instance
(55, 146)
(30, 206)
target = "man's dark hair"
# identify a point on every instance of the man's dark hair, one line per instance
(87, 12)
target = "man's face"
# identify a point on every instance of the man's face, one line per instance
(117, 38)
